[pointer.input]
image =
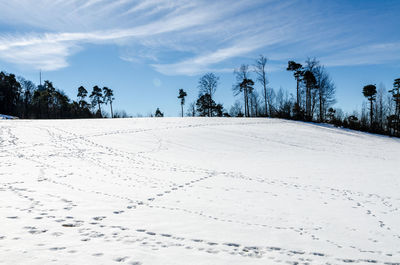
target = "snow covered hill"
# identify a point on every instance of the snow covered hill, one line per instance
(196, 191)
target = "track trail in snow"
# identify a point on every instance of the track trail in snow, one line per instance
(196, 191)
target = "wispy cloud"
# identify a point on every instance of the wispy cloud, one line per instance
(182, 37)
(365, 55)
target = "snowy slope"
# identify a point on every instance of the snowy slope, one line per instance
(196, 191)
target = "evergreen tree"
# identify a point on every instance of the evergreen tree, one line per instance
(108, 97)
(297, 70)
(205, 105)
(158, 113)
(182, 95)
(369, 92)
(10, 90)
(97, 99)
(208, 84)
(82, 94)
(247, 87)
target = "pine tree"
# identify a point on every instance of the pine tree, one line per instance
(182, 95)
(82, 94)
(97, 99)
(369, 92)
(108, 97)
(297, 70)
(158, 113)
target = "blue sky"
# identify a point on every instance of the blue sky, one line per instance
(146, 50)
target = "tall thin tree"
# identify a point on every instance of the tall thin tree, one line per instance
(97, 99)
(260, 69)
(310, 82)
(182, 95)
(247, 87)
(108, 97)
(395, 119)
(297, 70)
(326, 91)
(369, 92)
(242, 86)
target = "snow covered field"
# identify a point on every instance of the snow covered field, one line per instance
(196, 191)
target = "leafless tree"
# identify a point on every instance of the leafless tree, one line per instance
(260, 70)
(191, 112)
(236, 109)
(325, 93)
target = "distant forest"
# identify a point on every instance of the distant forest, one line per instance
(313, 101)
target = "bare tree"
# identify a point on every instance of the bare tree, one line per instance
(236, 109)
(255, 103)
(260, 69)
(283, 104)
(121, 114)
(27, 90)
(191, 112)
(394, 119)
(325, 91)
(381, 107)
(310, 83)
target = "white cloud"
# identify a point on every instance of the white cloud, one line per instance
(365, 55)
(179, 37)
(200, 63)
(51, 50)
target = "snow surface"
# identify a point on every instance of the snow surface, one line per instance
(196, 191)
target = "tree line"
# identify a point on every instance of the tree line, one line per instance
(22, 98)
(313, 101)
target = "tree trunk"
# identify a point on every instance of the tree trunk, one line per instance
(112, 114)
(298, 96)
(251, 106)
(321, 114)
(244, 101)
(371, 113)
(247, 103)
(265, 98)
(100, 110)
(308, 103)
(182, 109)
(209, 107)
